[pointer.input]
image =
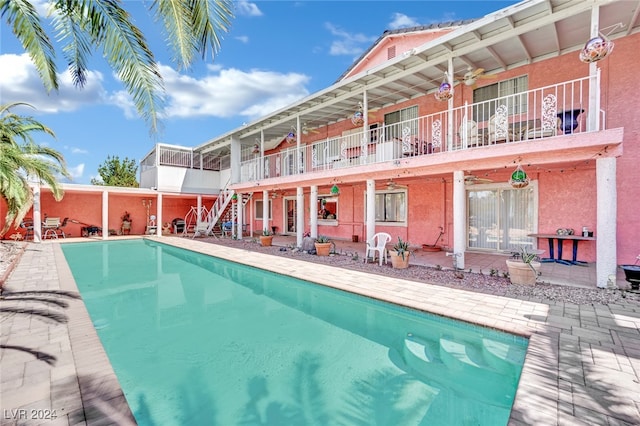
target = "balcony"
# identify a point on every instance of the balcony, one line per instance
(558, 110)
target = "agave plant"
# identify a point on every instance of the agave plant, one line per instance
(401, 247)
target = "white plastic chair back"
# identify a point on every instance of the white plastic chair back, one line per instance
(377, 245)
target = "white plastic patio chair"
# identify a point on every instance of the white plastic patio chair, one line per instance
(377, 245)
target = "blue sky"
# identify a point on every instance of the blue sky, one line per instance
(275, 53)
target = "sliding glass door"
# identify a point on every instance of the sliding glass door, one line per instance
(500, 217)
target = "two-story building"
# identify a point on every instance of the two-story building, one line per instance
(488, 132)
(429, 129)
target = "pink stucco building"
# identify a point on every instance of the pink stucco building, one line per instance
(388, 148)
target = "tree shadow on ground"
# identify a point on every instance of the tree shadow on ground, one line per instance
(45, 305)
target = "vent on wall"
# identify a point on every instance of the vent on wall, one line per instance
(391, 52)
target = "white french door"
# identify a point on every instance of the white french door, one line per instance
(500, 218)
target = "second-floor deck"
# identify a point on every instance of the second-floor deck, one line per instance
(564, 109)
(558, 110)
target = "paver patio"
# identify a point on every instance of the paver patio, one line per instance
(582, 365)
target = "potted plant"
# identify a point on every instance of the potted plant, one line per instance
(400, 254)
(266, 239)
(524, 268)
(323, 245)
(234, 198)
(126, 223)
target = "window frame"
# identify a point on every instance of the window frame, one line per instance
(258, 211)
(334, 201)
(404, 222)
(512, 91)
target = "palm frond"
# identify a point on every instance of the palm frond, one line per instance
(77, 44)
(176, 17)
(25, 24)
(110, 27)
(209, 18)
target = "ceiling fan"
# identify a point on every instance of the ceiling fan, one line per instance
(306, 129)
(470, 78)
(473, 179)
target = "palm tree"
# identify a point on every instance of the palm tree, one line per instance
(192, 27)
(22, 159)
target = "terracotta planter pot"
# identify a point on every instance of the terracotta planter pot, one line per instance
(323, 249)
(266, 240)
(398, 262)
(521, 273)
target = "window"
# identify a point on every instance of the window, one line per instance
(258, 206)
(327, 208)
(326, 152)
(395, 122)
(391, 207)
(511, 93)
(501, 218)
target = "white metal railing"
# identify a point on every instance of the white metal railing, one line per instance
(528, 116)
(184, 157)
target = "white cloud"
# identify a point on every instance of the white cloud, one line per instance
(75, 150)
(20, 82)
(77, 171)
(243, 39)
(400, 20)
(246, 8)
(231, 92)
(348, 43)
(220, 93)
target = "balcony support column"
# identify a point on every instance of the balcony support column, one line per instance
(459, 226)
(593, 115)
(607, 212)
(299, 215)
(265, 211)
(239, 218)
(236, 160)
(313, 211)
(371, 209)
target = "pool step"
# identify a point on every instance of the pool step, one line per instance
(502, 356)
(459, 355)
(458, 366)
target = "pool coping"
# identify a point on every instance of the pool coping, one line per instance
(582, 365)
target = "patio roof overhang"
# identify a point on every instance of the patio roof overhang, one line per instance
(525, 33)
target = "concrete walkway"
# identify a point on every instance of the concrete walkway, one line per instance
(582, 365)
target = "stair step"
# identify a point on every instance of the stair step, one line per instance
(502, 356)
(461, 355)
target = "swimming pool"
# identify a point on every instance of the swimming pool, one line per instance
(198, 340)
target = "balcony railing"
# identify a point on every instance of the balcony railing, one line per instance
(550, 111)
(170, 155)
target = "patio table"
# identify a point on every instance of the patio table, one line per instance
(561, 238)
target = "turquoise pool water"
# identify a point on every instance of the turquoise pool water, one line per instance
(196, 340)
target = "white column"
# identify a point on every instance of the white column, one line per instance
(199, 207)
(450, 124)
(159, 215)
(299, 215)
(239, 218)
(593, 115)
(236, 159)
(371, 209)
(265, 210)
(459, 226)
(313, 211)
(37, 214)
(607, 212)
(105, 215)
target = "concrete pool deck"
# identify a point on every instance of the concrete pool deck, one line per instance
(582, 365)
